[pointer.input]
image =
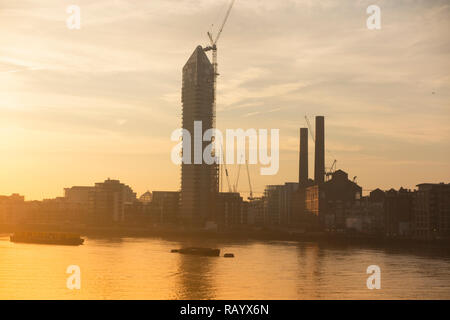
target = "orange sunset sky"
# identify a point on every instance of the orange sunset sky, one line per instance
(79, 106)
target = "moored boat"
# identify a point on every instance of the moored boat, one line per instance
(200, 251)
(61, 238)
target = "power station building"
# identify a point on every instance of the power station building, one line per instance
(323, 202)
(199, 181)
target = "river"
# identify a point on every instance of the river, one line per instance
(144, 268)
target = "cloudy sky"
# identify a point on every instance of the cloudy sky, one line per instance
(79, 106)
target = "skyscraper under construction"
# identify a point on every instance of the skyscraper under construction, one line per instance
(199, 182)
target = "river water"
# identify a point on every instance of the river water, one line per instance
(144, 268)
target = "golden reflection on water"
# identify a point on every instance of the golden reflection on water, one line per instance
(145, 269)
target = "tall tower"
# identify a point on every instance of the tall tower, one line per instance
(303, 157)
(319, 163)
(199, 182)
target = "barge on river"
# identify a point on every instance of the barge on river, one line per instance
(61, 238)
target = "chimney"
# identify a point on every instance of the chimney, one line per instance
(303, 157)
(319, 163)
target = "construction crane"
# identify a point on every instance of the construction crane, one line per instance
(228, 178)
(226, 170)
(213, 47)
(310, 129)
(237, 178)
(249, 182)
(329, 174)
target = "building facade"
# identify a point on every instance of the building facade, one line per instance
(199, 181)
(107, 202)
(166, 205)
(230, 210)
(398, 212)
(432, 211)
(333, 200)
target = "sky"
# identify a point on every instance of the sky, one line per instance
(80, 106)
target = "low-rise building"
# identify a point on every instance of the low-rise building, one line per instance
(107, 202)
(432, 211)
(230, 210)
(166, 206)
(278, 204)
(398, 212)
(332, 201)
(256, 212)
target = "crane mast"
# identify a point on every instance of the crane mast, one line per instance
(310, 129)
(237, 178)
(226, 170)
(213, 47)
(249, 182)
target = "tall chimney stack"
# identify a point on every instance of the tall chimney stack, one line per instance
(319, 163)
(303, 157)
